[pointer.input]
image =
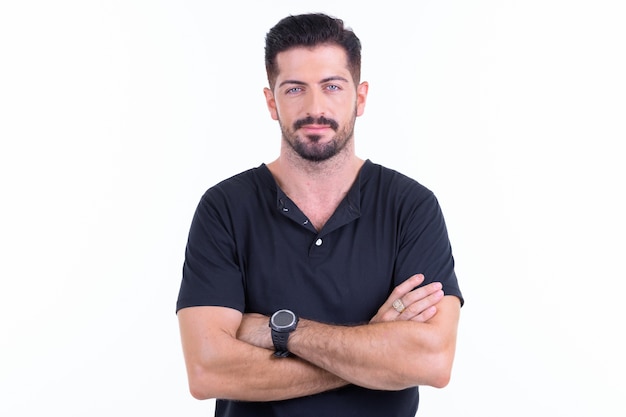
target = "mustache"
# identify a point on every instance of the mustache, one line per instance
(319, 121)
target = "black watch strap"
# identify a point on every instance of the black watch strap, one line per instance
(280, 343)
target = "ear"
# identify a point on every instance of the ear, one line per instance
(361, 97)
(271, 103)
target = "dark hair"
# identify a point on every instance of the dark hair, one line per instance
(311, 30)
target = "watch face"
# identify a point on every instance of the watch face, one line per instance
(283, 319)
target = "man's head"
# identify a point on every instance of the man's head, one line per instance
(315, 94)
(310, 30)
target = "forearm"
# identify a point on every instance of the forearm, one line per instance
(371, 356)
(261, 377)
(229, 355)
(220, 366)
(388, 356)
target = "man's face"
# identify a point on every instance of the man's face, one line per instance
(315, 101)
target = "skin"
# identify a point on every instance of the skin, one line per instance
(229, 354)
(316, 83)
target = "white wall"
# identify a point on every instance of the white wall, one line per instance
(115, 117)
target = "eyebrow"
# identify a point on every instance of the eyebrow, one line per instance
(325, 80)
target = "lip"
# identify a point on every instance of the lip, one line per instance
(315, 128)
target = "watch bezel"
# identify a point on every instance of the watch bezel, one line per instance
(284, 328)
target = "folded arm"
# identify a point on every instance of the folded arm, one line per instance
(228, 355)
(221, 366)
(384, 356)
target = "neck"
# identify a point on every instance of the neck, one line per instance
(306, 180)
(317, 189)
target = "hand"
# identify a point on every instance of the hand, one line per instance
(254, 329)
(420, 303)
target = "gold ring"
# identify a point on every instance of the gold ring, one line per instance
(398, 305)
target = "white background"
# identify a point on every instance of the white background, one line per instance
(115, 116)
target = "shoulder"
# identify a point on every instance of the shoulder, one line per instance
(239, 196)
(250, 179)
(391, 184)
(242, 186)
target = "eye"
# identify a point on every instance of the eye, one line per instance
(294, 90)
(333, 87)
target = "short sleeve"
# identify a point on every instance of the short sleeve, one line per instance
(425, 246)
(211, 273)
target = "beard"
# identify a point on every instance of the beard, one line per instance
(309, 148)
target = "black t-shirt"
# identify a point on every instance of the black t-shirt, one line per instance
(250, 248)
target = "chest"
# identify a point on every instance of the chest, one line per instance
(341, 273)
(318, 211)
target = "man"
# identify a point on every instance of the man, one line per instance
(319, 284)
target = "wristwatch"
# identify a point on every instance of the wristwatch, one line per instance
(282, 323)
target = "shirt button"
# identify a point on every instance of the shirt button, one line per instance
(318, 242)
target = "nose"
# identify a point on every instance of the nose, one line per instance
(316, 103)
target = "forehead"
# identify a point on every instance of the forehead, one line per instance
(320, 61)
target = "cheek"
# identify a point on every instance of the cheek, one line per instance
(286, 114)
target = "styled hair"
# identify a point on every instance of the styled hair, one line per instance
(310, 30)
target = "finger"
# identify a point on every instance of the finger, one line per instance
(425, 315)
(390, 310)
(404, 288)
(422, 292)
(414, 300)
(421, 310)
(408, 285)
(386, 312)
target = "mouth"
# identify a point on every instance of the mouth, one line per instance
(315, 128)
(312, 125)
